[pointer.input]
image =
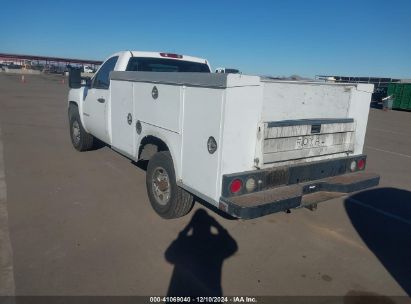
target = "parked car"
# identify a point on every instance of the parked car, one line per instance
(88, 69)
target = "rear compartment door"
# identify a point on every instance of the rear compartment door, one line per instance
(306, 138)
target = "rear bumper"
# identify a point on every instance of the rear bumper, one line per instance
(277, 199)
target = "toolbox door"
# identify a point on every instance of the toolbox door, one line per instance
(201, 139)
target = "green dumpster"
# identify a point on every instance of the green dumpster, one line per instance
(401, 93)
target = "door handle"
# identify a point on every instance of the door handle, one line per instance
(101, 100)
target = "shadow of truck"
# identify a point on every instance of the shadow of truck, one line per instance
(382, 217)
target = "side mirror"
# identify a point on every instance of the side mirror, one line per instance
(75, 78)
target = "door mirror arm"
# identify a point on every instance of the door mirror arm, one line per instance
(86, 81)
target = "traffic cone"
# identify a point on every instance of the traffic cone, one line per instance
(22, 79)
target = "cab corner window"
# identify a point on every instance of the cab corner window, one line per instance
(102, 79)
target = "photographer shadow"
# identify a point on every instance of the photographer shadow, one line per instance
(198, 257)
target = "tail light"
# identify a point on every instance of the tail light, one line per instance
(171, 55)
(353, 166)
(236, 185)
(250, 184)
(361, 164)
(357, 165)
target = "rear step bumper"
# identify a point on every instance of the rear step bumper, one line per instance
(261, 203)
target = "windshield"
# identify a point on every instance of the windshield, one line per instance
(165, 65)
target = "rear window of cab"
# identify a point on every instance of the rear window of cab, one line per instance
(165, 65)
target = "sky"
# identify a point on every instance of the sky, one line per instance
(279, 38)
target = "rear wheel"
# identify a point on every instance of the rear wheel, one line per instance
(81, 140)
(167, 199)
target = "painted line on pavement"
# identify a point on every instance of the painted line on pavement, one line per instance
(389, 131)
(387, 151)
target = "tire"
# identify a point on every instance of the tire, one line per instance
(81, 140)
(179, 201)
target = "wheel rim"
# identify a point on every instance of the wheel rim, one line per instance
(76, 132)
(161, 186)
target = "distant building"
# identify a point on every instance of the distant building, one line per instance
(45, 63)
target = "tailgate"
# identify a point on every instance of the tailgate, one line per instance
(305, 139)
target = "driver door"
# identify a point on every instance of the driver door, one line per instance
(96, 101)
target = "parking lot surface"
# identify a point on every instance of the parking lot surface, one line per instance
(82, 224)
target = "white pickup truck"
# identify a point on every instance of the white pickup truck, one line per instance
(246, 145)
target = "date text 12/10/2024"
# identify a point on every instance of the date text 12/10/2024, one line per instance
(240, 299)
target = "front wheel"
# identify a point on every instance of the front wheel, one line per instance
(81, 140)
(167, 199)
